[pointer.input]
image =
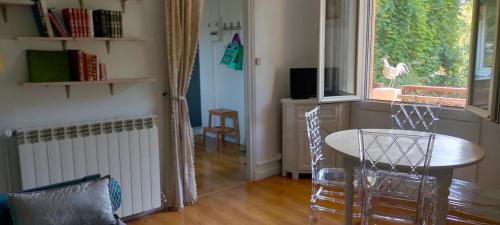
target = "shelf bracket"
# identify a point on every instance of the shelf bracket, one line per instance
(64, 45)
(111, 88)
(108, 46)
(81, 4)
(68, 90)
(123, 6)
(3, 9)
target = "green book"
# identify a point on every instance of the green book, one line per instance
(48, 66)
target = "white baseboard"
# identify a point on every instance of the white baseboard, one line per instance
(268, 169)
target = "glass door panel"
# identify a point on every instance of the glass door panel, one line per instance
(484, 77)
(338, 48)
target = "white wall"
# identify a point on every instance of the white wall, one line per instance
(286, 36)
(29, 107)
(221, 87)
(458, 123)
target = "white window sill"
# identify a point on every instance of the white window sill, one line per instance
(450, 113)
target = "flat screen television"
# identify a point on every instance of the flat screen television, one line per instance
(303, 83)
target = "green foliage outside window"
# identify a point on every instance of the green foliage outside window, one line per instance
(431, 36)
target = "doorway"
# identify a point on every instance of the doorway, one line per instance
(220, 161)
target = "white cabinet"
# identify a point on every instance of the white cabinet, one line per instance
(296, 156)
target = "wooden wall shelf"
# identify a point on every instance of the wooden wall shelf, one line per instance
(67, 84)
(64, 40)
(4, 4)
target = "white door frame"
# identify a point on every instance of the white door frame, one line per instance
(249, 73)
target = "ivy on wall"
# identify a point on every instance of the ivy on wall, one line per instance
(431, 36)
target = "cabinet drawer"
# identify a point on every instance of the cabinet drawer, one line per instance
(327, 111)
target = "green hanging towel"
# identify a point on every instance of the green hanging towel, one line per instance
(233, 56)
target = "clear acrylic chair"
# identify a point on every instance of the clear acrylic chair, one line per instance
(394, 185)
(327, 182)
(415, 116)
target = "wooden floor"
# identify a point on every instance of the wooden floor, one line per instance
(276, 200)
(227, 199)
(273, 201)
(218, 169)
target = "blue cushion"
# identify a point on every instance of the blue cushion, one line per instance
(114, 192)
(85, 203)
(4, 211)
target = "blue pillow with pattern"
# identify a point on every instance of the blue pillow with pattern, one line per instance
(115, 194)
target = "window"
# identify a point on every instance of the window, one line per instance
(421, 51)
(339, 58)
(484, 80)
(439, 52)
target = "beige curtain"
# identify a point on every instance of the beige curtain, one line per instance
(182, 28)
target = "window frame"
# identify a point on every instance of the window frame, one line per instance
(493, 102)
(361, 66)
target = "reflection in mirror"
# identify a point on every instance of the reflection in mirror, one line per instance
(340, 48)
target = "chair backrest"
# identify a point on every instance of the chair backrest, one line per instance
(415, 116)
(395, 165)
(313, 126)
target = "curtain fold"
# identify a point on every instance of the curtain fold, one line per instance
(182, 32)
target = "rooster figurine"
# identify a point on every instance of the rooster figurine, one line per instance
(391, 73)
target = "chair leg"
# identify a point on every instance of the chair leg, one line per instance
(218, 141)
(313, 216)
(204, 137)
(223, 127)
(236, 125)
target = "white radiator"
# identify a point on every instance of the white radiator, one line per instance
(125, 149)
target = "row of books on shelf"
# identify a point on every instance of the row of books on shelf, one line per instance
(85, 67)
(69, 65)
(76, 22)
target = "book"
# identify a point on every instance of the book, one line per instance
(38, 21)
(103, 72)
(88, 64)
(93, 63)
(103, 23)
(97, 23)
(109, 26)
(60, 21)
(80, 66)
(85, 23)
(68, 18)
(90, 21)
(59, 32)
(79, 22)
(48, 66)
(74, 64)
(45, 17)
(84, 66)
(120, 24)
(113, 24)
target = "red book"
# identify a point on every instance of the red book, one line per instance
(83, 23)
(101, 71)
(84, 66)
(86, 22)
(68, 21)
(55, 24)
(78, 21)
(93, 60)
(73, 16)
(90, 77)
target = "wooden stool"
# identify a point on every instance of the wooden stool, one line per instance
(221, 131)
